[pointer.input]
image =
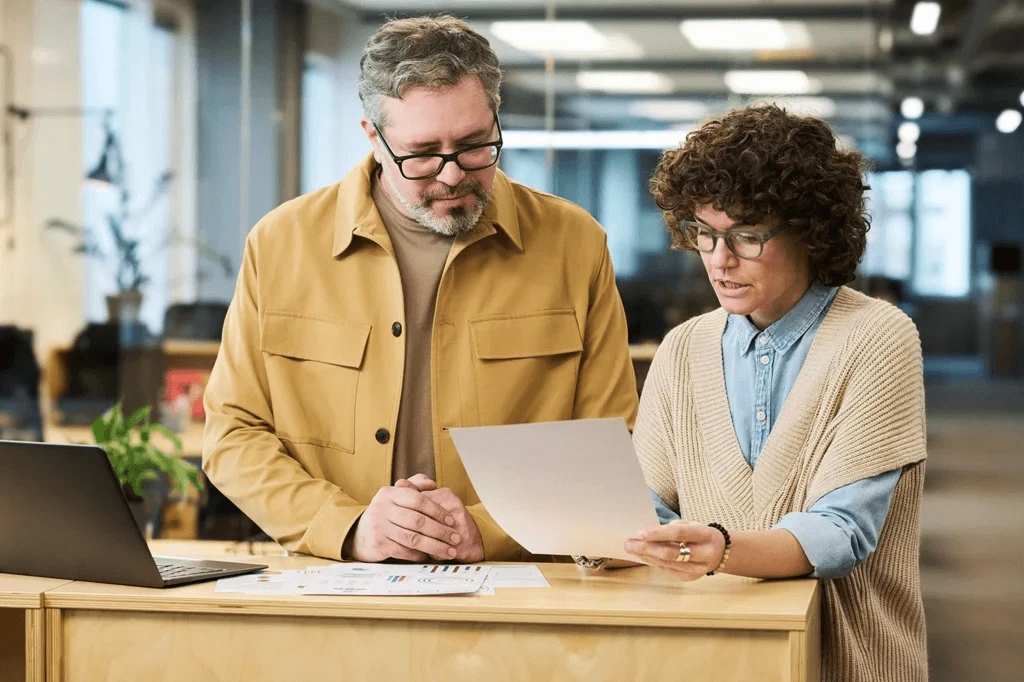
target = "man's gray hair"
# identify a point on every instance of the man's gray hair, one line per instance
(431, 52)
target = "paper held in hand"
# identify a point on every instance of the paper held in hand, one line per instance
(569, 487)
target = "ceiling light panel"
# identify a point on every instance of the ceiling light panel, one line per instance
(925, 18)
(567, 39)
(912, 107)
(1008, 121)
(669, 109)
(625, 82)
(745, 34)
(819, 107)
(770, 83)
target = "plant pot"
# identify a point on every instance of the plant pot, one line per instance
(125, 307)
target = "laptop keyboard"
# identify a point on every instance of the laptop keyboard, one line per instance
(175, 571)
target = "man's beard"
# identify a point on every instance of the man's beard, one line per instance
(459, 220)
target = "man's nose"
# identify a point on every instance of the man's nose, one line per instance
(451, 174)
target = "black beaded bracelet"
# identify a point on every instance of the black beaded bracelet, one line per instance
(728, 543)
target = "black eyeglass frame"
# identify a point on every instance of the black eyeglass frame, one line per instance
(445, 158)
(763, 238)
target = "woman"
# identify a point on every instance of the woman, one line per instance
(792, 418)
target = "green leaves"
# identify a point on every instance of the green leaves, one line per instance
(133, 455)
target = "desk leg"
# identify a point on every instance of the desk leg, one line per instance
(35, 645)
(805, 647)
(12, 643)
(54, 626)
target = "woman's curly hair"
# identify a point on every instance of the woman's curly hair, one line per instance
(762, 165)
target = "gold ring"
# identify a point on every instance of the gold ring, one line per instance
(684, 553)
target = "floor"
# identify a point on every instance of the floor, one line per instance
(972, 534)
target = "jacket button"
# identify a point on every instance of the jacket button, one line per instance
(382, 436)
(396, 329)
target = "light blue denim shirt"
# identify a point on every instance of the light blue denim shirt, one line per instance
(841, 529)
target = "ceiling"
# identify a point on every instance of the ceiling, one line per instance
(861, 57)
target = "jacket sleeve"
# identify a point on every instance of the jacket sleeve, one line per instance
(606, 384)
(242, 455)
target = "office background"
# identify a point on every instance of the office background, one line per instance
(189, 120)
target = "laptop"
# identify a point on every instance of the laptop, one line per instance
(63, 515)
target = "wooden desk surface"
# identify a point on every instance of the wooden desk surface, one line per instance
(639, 597)
(25, 592)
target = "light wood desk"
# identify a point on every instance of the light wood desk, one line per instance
(632, 624)
(22, 626)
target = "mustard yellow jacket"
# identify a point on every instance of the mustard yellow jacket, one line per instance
(303, 399)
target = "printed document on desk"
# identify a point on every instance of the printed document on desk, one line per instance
(569, 487)
(363, 579)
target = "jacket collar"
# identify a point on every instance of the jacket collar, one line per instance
(356, 214)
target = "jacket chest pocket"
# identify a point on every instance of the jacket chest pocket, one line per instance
(313, 370)
(526, 366)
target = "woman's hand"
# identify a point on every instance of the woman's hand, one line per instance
(658, 546)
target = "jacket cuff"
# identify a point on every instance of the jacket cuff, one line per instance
(331, 526)
(498, 546)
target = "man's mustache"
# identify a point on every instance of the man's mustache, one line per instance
(457, 192)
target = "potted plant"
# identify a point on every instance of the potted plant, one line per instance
(136, 458)
(126, 257)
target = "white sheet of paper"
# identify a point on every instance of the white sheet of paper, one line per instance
(362, 579)
(568, 487)
(515, 576)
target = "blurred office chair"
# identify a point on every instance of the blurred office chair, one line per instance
(93, 364)
(195, 321)
(20, 414)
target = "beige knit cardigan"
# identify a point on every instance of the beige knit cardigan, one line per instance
(856, 410)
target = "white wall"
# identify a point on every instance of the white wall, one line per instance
(40, 277)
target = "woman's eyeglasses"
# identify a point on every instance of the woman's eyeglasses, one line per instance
(746, 244)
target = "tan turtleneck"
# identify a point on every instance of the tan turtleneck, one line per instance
(421, 255)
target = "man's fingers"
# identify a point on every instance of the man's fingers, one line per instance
(419, 523)
(422, 544)
(395, 550)
(422, 482)
(417, 501)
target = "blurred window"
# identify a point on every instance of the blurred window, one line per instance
(889, 241)
(132, 65)
(921, 230)
(942, 249)
(318, 124)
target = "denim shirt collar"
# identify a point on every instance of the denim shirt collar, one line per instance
(785, 332)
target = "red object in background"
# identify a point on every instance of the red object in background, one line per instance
(187, 383)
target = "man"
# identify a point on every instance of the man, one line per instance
(425, 290)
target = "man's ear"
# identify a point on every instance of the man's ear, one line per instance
(372, 136)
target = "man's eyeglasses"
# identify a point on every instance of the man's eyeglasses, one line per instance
(422, 166)
(746, 244)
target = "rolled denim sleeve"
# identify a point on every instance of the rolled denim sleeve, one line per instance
(841, 529)
(665, 513)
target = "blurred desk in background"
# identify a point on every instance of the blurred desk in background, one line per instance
(201, 355)
(191, 438)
